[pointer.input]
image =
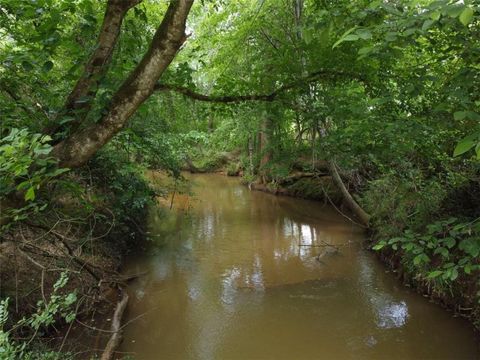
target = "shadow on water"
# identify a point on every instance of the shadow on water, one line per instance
(234, 274)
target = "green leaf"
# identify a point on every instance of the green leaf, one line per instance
(435, 274)
(442, 251)
(365, 50)
(466, 16)
(460, 115)
(47, 66)
(417, 260)
(467, 269)
(435, 15)
(27, 65)
(454, 10)
(364, 34)
(470, 246)
(449, 242)
(343, 37)
(57, 172)
(409, 32)
(472, 115)
(30, 194)
(307, 36)
(44, 150)
(453, 274)
(463, 146)
(351, 37)
(391, 36)
(427, 24)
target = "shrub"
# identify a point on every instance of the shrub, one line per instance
(397, 202)
(128, 191)
(24, 167)
(46, 314)
(441, 251)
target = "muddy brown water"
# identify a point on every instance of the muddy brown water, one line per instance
(239, 274)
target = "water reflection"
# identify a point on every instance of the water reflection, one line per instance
(392, 315)
(236, 277)
(389, 313)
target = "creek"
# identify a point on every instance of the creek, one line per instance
(239, 274)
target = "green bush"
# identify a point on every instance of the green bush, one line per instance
(400, 201)
(59, 305)
(212, 161)
(233, 169)
(443, 250)
(24, 168)
(128, 191)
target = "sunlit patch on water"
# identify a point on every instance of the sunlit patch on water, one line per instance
(139, 294)
(371, 341)
(161, 269)
(193, 293)
(392, 315)
(228, 285)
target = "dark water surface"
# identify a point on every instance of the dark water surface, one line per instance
(234, 274)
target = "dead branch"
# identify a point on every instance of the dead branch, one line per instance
(116, 338)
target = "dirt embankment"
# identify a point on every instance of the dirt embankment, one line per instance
(85, 242)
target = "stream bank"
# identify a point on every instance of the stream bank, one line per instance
(91, 220)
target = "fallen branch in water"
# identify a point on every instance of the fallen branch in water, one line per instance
(116, 338)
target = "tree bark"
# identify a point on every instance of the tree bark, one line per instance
(264, 146)
(80, 146)
(250, 154)
(79, 101)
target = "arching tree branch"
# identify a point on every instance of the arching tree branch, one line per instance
(325, 74)
(221, 99)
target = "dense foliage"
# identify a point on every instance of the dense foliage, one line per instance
(389, 90)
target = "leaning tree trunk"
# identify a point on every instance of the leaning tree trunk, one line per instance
(80, 99)
(81, 145)
(347, 197)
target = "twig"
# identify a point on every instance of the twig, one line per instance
(31, 260)
(340, 212)
(68, 331)
(112, 331)
(16, 278)
(42, 284)
(79, 261)
(173, 195)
